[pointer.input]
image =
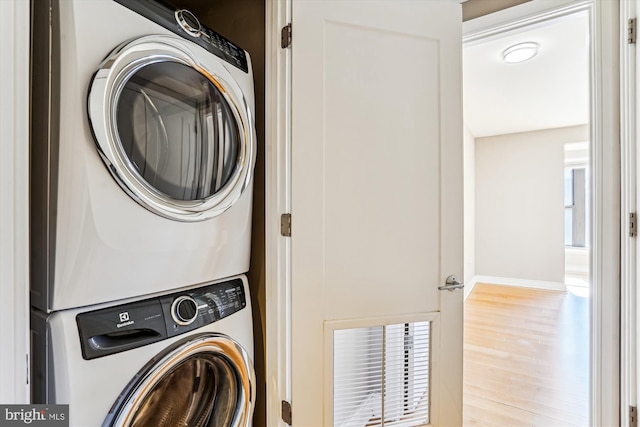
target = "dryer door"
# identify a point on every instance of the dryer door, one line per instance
(204, 381)
(173, 127)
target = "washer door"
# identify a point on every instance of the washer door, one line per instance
(204, 381)
(174, 129)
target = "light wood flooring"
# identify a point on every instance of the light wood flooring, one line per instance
(526, 358)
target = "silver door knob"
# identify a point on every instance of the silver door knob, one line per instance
(451, 284)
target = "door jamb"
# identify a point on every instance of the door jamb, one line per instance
(14, 208)
(277, 203)
(629, 301)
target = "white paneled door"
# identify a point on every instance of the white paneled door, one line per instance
(377, 213)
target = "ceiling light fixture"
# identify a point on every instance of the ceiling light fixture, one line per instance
(520, 52)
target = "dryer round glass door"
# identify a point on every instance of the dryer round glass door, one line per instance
(174, 129)
(204, 381)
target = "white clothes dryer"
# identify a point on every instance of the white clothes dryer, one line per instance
(143, 149)
(180, 359)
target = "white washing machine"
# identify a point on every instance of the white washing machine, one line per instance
(143, 150)
(180, 359)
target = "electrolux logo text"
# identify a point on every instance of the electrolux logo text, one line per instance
(124, 320)
(38, 415)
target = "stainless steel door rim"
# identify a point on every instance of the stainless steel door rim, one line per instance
(224, 396)
(105, 92)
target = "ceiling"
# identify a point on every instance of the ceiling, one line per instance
(550, 90)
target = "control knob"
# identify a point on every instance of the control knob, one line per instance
(184, 310)
(188, 22)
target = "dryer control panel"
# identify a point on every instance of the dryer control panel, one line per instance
(185, 24)
(127, 326)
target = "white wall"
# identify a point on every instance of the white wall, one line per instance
(519, 204)
(14, 166)
(469, 172)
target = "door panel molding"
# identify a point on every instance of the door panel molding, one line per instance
(377, 191)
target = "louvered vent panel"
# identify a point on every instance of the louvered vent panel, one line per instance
(381, 375)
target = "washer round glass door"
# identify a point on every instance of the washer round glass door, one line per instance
(203, 381)
(174, 130)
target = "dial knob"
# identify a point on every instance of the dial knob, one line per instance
(189, 22)
(184, 310)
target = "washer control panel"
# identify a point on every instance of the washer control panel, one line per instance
(185, 24)
(184, 312)
(127, 326)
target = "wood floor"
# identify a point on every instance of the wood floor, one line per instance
(526, 358)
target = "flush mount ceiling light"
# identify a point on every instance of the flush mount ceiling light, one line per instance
(520, 52)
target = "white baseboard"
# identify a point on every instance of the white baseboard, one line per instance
(512, 281)
(580, 269)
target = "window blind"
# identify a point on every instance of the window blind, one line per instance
(381, 375)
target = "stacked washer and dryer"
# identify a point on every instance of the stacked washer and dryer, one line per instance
(142, 156)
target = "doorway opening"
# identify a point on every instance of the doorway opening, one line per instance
(577, 202)
(527, 239)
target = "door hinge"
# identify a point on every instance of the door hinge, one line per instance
(285, 36)
(285, 225)
(633, 224)
(632, 31)
(286, 412)
(633, 416)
